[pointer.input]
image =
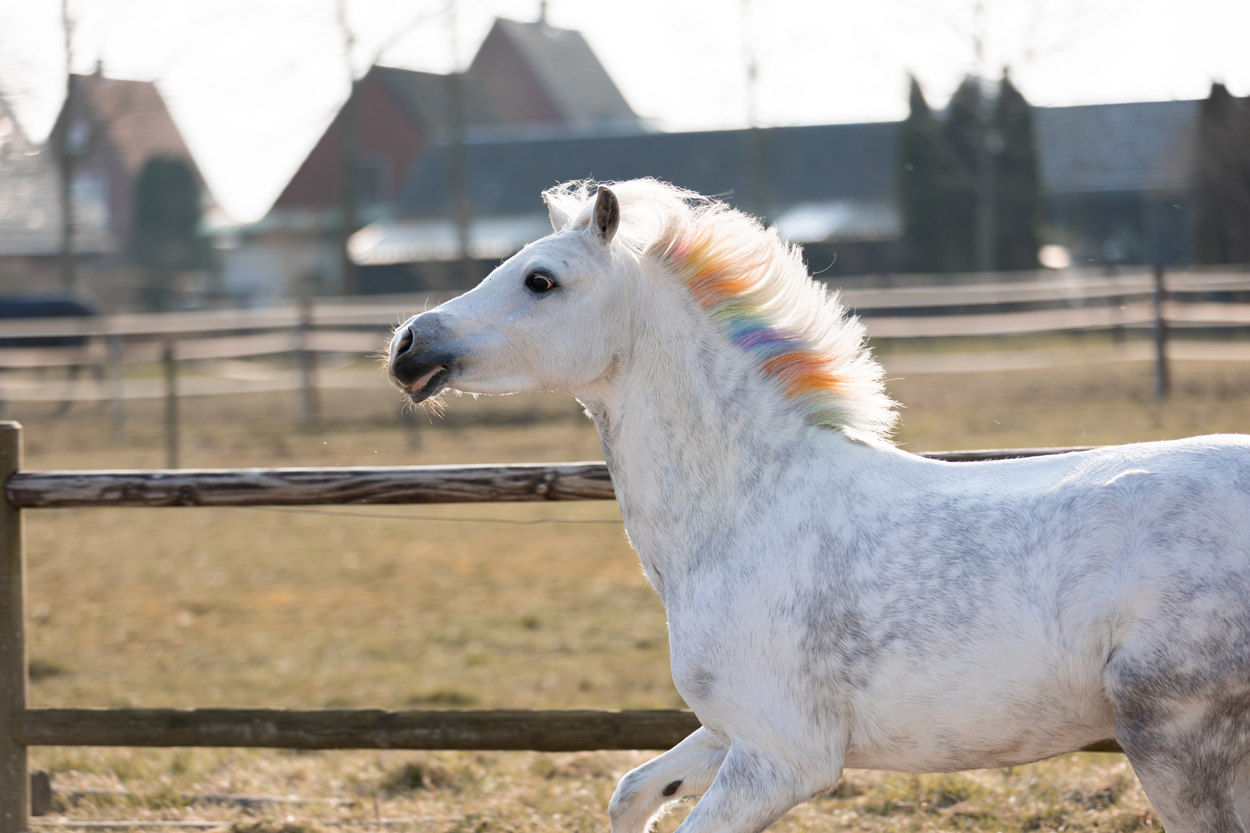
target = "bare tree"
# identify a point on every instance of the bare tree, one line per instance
(349, 128)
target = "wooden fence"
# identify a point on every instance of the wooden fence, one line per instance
(22, 726)
(1049, 302)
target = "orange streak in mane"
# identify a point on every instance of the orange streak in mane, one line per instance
(711, 275)
(802, 373)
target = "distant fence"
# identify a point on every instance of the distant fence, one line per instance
(1068, 301)
(553, 731)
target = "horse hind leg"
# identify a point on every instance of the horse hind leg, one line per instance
(1188, 798)
(685, 770)
(1241, 792)
(1190, 753)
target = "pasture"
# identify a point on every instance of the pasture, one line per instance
(406, 607)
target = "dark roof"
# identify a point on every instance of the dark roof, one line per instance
(425, 98)
(1102, 147)
(566, 68)
(842, 161)
(1141, 146)
(560, 61)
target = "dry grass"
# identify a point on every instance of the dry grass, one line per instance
(290, 608)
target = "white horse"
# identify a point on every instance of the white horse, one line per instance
(835, 602)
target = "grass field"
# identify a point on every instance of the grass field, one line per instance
(420, 607)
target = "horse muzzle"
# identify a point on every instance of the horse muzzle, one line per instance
(420, 363)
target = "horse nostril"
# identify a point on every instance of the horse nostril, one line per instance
(405, 341)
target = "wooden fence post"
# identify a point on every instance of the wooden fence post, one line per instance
(117, 389)
(305, 360)
(171, 406)
(1162, 381)
(14, 679)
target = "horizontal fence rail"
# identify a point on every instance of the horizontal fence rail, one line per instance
(571, 730)
(373, 485)
(310, 487)
(503, 730)
(553, 731)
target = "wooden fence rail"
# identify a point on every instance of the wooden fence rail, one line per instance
(1076, 300)
(346, 485)
(22, 727)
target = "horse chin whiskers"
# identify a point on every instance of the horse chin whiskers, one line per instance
(435, 406)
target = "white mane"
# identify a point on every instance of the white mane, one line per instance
(757, 288)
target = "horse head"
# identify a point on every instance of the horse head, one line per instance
(548, 318)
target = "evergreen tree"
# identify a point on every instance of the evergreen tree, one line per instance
(1222, 198)
(966, 165)
(164, 232)
(921, 197)
(1016, 188)
(964, 136)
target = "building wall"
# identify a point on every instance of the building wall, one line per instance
(385, 133)
(1131, 227)
(264, 269)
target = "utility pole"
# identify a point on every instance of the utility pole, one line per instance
(70, 145)
(757, 141)
(988, 144)
(458, 163)
(349, 156)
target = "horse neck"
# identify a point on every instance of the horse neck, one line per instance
(694, 435)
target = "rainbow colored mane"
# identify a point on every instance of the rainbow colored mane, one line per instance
(756, 287)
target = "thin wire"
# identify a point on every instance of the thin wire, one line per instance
(429, 517)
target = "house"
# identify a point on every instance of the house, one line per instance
(107, 130)
(1117, 181)
(111, 128)
(828, 186)
(30, 218)
(527, 78)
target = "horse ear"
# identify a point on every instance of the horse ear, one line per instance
(607, 214)
(559, 217)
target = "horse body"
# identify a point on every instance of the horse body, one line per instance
(833, 601)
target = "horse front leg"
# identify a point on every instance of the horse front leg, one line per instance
(755, 787)
(686, 769)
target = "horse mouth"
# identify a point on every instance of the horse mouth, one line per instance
(428, 384)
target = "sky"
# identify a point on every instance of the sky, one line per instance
(252, 84)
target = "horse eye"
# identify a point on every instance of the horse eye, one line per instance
(540, 283)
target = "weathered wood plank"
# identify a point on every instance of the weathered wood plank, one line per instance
(303, 487)
(543, 731)
(374, 486)
(1011, 323)
(540, 731)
